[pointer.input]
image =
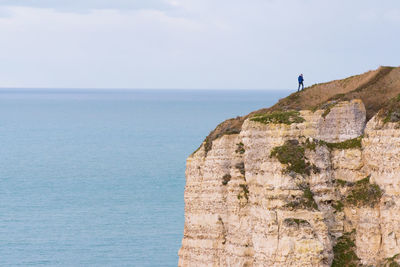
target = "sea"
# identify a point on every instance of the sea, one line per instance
(96, 177)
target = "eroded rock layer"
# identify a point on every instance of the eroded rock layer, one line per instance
(321, 192)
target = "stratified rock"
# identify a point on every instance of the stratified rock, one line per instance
(265, 215)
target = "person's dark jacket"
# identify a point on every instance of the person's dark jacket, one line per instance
(300, 79)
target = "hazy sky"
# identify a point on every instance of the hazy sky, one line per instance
(248, 44)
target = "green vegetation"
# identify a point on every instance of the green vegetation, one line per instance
(326, 112)
(240, 167)
(306, 201)
(344, 251)
(292, 154)
(392, 116)
(337, 97)
(373, 88)
(196, 150)
(245, 192)
(364, 193)
(292, 221)
(327, 108)
(343, 183)
(391, 113)
(208, 141)
(313, 108)
(229, 132)
(240, 148)
(310, 145)
(228, 127)
(360, 193)
(285, 117)
(348, 144)
(390, 262)
(315, 169)
(294, 97)
(308, 198)
(226, 178)
(338, 205)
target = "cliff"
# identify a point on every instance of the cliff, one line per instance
(311, 181)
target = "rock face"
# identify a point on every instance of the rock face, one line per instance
(335, 201)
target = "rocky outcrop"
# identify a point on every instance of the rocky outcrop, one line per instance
(319, 190)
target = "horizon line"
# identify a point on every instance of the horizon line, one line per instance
(143, 89)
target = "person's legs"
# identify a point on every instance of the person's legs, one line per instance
(298, 89)
(302, 86)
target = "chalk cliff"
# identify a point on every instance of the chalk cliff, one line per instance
(301, 185)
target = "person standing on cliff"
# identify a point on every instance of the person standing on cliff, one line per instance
(301, 80)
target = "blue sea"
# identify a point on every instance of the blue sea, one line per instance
(96, 177)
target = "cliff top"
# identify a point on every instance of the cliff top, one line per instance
(378, 89)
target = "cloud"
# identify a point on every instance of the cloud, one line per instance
(193, 44)
(393, 15)
(87, 5)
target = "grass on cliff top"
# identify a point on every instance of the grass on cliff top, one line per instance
(292, 154)
(344, 251)
(327, 106)
(364, 193)
(284, 117)
(374, 88)
(209, 139)
(391, 113)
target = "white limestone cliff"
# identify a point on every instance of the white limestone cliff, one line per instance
(243, 208)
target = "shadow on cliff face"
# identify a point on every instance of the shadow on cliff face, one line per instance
(376, 89)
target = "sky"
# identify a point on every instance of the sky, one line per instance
(193, 44)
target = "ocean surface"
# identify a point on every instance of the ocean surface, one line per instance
(96, 177)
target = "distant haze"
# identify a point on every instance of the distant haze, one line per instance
(189, 44)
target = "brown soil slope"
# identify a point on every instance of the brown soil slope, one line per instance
(375, 88)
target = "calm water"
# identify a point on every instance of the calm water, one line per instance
(96, 178)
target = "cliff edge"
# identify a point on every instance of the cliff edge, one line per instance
(312, 181)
